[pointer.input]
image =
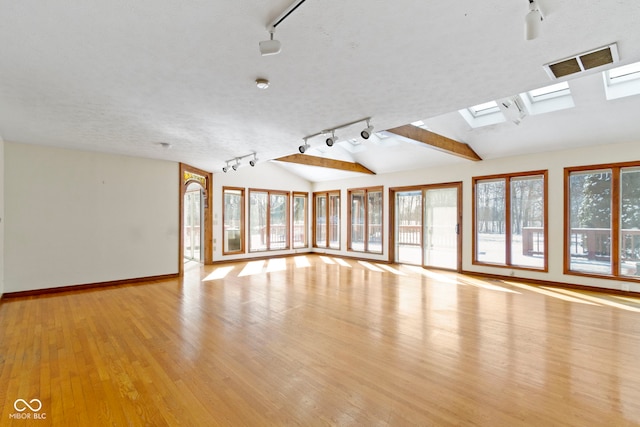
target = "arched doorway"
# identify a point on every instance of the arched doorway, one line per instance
(193, 223)
(196, 233)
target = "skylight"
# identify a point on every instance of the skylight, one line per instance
(622, 81)
(549, 92)
(624, 73)
(547, 99)
(485, 114)
(484, 109)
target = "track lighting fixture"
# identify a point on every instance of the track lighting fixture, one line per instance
(366, 133)
(532, 21)
(332, 139)
(304, 147)
(236, 161)
(270, 47)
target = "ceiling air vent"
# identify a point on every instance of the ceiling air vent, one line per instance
(583, 62)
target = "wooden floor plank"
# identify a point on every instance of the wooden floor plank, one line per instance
(326, 344)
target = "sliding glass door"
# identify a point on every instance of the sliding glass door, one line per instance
(427, 226)
(441, 228)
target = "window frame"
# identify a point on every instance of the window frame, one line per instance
(365, 191)
(508, 177)
(616, 221)
(305, 231)
(242, 223)
(327, 230)
(287, 221)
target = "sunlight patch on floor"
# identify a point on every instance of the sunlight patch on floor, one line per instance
(391, 269)
(485, 285)
(342, 262)
(219, 273)
(253, 267)
(302, 261)
(326, 259)
(548, 293)
(370, 266)
(431, 275)
(597, 300)
(276, 264)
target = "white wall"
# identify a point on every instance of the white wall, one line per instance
(264, 176)
(2, 220)
(554, 162)
(76, 217)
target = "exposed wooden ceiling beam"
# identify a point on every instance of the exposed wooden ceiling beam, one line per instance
(305, 159)
(436, 141)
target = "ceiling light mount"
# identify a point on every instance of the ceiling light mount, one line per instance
(262, 83)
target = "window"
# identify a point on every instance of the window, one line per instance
(549, 92)
(510, 220)
(624, 73)
(300, 212)
(233, 220)
(327, 219)
(268, 220)
(622, 81)
(484, 109)
(484, 114)
(548, 99)
(603, 217)
(365, 219)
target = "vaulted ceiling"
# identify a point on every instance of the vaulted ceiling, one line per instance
(125, 77)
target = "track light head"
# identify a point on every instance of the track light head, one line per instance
(252, 163)
(270, 47)
(225, 169)
(366, 132)
(304, 146)
(532, 21)
(332, 139)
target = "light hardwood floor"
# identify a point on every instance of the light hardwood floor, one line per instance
(281, 342)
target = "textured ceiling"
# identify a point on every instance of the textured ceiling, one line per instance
(122, 77)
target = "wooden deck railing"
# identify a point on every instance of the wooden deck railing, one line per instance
(591, 243)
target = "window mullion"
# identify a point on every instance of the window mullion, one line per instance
(615, 221)
(507, 220)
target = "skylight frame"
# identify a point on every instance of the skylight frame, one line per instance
(546, 93)
(621, 82)
(623, 74)
(484, 109)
